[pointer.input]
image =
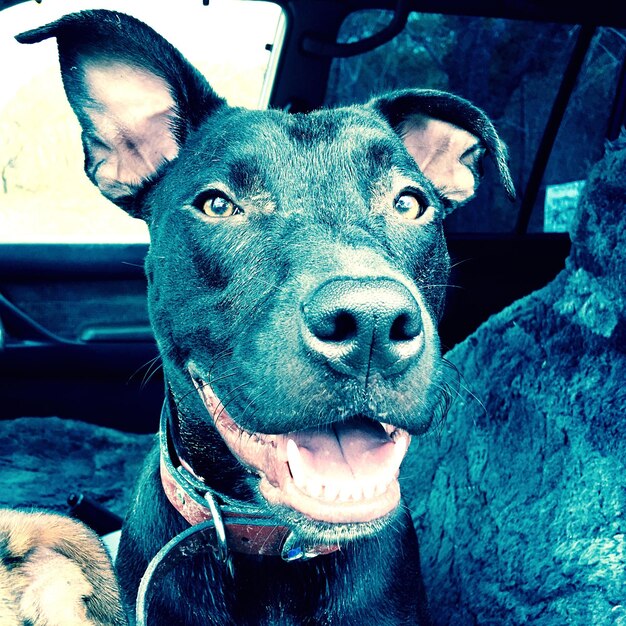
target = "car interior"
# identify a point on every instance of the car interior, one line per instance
(75, 339)
(74, 321)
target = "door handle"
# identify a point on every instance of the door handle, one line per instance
(117, 333)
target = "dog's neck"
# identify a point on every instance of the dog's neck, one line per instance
(239, 526)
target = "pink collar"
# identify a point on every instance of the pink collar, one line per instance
(239, 526)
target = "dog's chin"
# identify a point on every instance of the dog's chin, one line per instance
(335, 481)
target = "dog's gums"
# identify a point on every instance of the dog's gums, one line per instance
(346, 472)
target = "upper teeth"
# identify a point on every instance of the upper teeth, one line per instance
(341, 490)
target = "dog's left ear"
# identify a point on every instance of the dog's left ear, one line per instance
(448, 138)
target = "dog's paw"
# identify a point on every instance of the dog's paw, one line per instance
(54, 572)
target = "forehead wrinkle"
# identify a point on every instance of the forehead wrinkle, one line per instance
(350, 161)
(245, 174)
(328, 166)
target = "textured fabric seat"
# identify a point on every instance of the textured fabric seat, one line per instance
(45, 459)
(519, 497)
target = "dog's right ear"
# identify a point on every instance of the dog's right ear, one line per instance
(135, 96)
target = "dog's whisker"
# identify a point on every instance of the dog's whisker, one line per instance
(193, 392)
(155, 366)
(147, 365)
(253, 402)
(222, 354)
(460, 262)
(146, 379)
(150, 368)
(259, 409)
(448, 391)
(443, 285)
(465, 388)
(230, 398)
(305, 409)
(262, 280)
(218, 379)
(180, 402)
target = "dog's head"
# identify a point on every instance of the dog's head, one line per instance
(297, 265)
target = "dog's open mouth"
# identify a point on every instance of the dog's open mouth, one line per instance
(344, 473)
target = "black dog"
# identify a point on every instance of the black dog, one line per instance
(296, 273)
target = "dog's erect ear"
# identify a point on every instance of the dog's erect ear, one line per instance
(448, 137)
(135, 96)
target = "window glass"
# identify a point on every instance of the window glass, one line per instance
(44, 195)
(512, 70)
(582, 134)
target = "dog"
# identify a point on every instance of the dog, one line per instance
(54, 572)
(296, 274)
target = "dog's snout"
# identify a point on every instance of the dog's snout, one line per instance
(363, 325)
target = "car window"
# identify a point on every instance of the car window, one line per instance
(582, 134)
(511, 69)
(44, 195)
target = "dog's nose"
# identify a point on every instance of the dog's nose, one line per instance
(363, 325)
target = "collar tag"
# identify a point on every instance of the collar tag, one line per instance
(295, 554)
(294, 549)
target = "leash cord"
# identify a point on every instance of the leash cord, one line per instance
(192, 541)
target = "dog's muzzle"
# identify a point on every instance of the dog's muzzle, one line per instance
(342, 473)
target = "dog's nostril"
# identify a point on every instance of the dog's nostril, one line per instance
(336, 327)
(405, 327)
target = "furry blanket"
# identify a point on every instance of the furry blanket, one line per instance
(44, 460)
(519, 498)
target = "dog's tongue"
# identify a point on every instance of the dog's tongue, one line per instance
(344, 451)
(344, 473)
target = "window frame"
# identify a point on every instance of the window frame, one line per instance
(289, 95)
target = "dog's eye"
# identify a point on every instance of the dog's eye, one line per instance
(409, 206)
(217, 206)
